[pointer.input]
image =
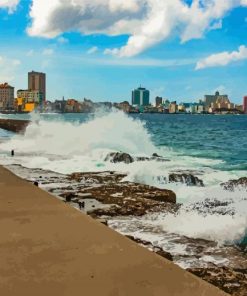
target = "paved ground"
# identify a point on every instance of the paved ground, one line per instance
(48, 248)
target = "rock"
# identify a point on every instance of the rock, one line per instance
(102, 221)
(116, 157)
(156, 155)
(159, 251)
(142, 158)
(68, 196)
(233, 184)
(229, 280)
(187, 179)
(164, 254)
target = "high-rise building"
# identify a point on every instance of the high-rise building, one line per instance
(37, 82)
(211, 99)
(140, 97)
(7, 97)
(158, 101)
(245, 105)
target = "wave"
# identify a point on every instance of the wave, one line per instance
(67, 147)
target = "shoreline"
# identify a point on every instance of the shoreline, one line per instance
(103, 210)
(50, 247)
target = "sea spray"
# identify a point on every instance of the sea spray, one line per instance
(112, 132)
(67, 147)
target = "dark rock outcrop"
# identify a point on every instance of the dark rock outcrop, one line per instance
(124, 198)
(159, 251)
(116, 157)
(233, 184)
(229, 280)
(187, 179)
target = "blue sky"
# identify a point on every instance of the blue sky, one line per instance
(205, 52)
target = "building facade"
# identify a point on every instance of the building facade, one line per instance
(140, 97)
(158, 101)
(173, 107)
(31, 96)
(211, 99)
(7, 97)
(37, 82)
(245, 105)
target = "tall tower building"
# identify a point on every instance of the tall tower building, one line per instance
(245, 105)
(140, 97)
(37, 82)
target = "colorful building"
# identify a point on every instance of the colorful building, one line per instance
(7, 97)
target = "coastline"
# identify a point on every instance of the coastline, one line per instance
(49, 246)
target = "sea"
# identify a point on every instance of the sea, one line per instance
(212, 147)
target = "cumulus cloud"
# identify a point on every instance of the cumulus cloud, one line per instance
(9, 4)
(147, 22)
(223, 58)
(92, 50)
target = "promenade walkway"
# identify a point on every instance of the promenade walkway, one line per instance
(48, 248)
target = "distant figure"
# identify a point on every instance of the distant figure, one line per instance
(36, 183)
(81, 205)
(12, 152)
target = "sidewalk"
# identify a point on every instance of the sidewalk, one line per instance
(48, 248)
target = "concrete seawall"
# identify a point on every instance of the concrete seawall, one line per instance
(49, 248)
(13, 125)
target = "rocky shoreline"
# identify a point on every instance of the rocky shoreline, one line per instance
(106, 196)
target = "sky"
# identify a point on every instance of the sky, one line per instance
(103, 49)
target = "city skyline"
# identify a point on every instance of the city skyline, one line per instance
(181, 64)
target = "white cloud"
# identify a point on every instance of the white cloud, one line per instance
(148, 22)
(223, 58)
(9, 4)
(92, 50)
(48, 51)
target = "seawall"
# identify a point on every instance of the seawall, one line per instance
(50, 248)
(13, 125)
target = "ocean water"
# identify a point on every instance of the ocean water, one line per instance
(214, 148)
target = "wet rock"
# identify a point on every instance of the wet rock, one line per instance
(156, 155)
(142, 158)
(124, 198)
(68, 196)
(229, 280)
(159, 251)
(234, 184)
(187, 179)
(116, 157)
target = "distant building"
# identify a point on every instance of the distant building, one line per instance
(245, 105)
(181, 108)
(173, 107)
(140, 97)
(37, 82)
(31, 96)
(158, 101)
(7, 97)
(211, 99)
